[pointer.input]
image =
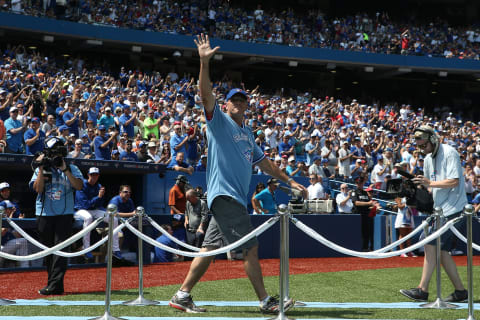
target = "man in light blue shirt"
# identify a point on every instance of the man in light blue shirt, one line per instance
(232, 152)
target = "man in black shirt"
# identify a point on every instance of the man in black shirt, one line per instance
(363, 204)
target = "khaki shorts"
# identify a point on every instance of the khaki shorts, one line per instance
(230, 222)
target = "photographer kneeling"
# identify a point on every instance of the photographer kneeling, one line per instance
(54, 182)
(444, 178)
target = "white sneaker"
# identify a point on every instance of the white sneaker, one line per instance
(404, 255)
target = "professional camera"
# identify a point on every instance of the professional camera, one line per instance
(52, 155)
(417, 196)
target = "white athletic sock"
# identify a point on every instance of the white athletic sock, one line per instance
(183, 294)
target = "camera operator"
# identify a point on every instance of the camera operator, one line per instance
(54, 182)
(444, 177)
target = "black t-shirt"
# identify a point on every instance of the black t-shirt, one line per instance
(360, 195)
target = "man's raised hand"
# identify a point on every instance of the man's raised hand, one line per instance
(204, 50)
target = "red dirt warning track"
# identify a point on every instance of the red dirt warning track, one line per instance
(25, 285)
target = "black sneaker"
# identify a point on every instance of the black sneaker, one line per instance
(272, 305)
(457, 296)
(48, 291)
(416, 294)
(185, 304)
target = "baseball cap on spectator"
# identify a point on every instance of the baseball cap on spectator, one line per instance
(152, 144)
(203, 156)
(269, 121)
(359, 160)
(78, 141)
(36, 119)
(291, 158)
(380, 157)
(108, 109)
(6, 204)
(259, 132)
(62, 128)
(114, 152)
(181, 178)
(235, 91)
(93, 170)
(273, 181)
(369, 189)
(101, 127)
(277, 158)
(142, 144)
(13, 109)
(324, 160)
(316, 158)
(4, 185)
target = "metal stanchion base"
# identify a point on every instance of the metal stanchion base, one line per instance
(300, 304)
(5, 302)
(439, 304)
(281, 317)
(107, 316)
(140, 301)
(469, 318)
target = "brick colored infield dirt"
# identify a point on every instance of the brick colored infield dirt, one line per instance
(24, 285)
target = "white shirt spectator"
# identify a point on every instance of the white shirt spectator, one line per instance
(315, 191)
(347, 208)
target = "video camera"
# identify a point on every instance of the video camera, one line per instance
(417, 196)
(52, 156)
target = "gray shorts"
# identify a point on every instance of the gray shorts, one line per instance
(446, 239)
(230, 222)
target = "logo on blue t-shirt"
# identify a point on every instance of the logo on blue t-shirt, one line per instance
(248, 155)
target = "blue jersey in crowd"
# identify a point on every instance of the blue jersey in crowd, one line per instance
(127, 206)
(162, 255)
(38, 145)
(87, 198)
(14, 141)
(102, 153)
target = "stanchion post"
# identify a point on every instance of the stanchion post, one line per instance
(439, 303)
(111, 211)
(3, 302)
(283, 278)
(140, 301)
(469, 215)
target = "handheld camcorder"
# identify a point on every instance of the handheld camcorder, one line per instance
(53, 155)
(417, 196)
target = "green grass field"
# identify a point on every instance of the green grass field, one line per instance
(347, 286)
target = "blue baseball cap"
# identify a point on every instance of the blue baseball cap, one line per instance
(234, 92)
(379, 157)
(114, 152)
(64, 127)
(324, 160)
(316, 158)
(101, 127)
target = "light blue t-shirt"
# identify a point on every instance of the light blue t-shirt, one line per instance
(267, 201)
(57, 198)
(446, 165)
(232, 152)
(14, 141)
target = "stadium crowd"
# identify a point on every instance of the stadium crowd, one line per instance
(360, 32)
(159, 118)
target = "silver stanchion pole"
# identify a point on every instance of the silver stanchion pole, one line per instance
(111, 211)
(469, 214)
(438, 303)
(140, 301)
(283, 291)
(3, 302)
